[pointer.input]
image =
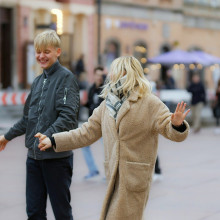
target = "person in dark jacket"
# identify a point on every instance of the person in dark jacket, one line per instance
(80, 67)
(52, 106)
(198, 100)
(93, 102)
(216, 108)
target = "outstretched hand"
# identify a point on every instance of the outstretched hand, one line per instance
(178, 116)
(45, 142)
(3, 142)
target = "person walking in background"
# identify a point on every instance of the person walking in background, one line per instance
(216, 108)
(80, 67)
(157, 170)
(169, 82)
(93, 102)
(130, 120)
(52, 106)
(198, 100)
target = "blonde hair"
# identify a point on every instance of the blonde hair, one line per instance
(135, 79)
(47, 38)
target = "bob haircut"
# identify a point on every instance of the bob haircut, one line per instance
(135, 80)
(45, 39)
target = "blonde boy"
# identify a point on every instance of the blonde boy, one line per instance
(52, 106)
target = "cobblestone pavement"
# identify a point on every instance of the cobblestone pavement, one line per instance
(189, 190)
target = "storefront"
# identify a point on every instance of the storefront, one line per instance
(145, 32)
(73, 21)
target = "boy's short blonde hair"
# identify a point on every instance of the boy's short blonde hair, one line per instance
(47, 38)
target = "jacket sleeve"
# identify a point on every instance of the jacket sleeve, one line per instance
(87, 134)
(67, 106)
(20, 127)
(163, 125)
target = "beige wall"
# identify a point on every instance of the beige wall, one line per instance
(179, 36)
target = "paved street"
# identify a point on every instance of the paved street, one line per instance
(190, 188)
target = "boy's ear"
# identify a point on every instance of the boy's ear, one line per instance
(58, 51)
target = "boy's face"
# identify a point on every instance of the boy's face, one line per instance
(46, 57)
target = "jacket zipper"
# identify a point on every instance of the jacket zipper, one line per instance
(42, 90)
(65, 94)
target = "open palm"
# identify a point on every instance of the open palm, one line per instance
(178, 116)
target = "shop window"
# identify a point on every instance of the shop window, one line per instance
(140, 52)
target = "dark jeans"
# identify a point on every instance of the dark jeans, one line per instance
(52, 177)
(157, 167)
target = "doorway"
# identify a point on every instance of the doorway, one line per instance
(5, 48)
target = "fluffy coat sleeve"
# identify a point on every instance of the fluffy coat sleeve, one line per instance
(163, 125)
(87, 134)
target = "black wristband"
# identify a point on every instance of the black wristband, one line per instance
(53, 141)
(180, 128)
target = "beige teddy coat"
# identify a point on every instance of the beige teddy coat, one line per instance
(130, 145)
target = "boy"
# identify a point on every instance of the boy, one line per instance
(52, 106)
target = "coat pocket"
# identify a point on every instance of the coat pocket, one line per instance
(137, 176)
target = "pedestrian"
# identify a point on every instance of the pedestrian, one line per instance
(93, 102)
(169, 80)
(216, 108)
(80, 67)
(130, 120)
(51, 107)
(198, 100)
(157, 169)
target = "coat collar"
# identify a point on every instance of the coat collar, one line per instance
(126, 107)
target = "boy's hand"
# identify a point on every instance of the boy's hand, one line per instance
(178, 116)
(44, 141)
(3, 142)
(40, 136)
(45, 144)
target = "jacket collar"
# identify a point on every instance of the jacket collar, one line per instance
(52, 69)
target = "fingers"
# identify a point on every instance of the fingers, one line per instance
(45, 144)
(186, 113)
(40, 145)
(40, 136)
(177, 107)
(2, 147)
(181, 107)
(43, 148)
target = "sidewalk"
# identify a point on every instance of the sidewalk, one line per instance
(189, 189)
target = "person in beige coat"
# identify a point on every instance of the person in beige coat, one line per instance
(129, 120)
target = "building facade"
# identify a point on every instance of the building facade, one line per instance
(146, 28)
(143, 28)
(22, 20)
